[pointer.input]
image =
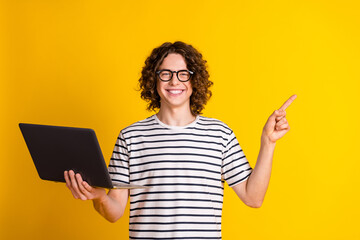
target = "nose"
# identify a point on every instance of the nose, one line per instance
(174, 80)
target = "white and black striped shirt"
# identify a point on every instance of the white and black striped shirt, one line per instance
(186, 168)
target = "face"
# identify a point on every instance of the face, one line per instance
(174, 94)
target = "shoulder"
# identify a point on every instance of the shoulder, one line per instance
(213, 123)
(140, 125)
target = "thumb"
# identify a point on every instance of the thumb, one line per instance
(270, 124)
(274, 115)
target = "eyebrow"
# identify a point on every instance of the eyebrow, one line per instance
(172, 70)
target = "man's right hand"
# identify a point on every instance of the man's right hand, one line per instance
(111, 206)
(81, 189)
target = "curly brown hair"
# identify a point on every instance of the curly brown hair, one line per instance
(199, 81)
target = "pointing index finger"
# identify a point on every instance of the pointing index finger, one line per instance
(288, 102)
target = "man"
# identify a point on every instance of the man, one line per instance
(182, 156)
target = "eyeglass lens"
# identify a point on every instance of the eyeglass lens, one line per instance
(182, 75)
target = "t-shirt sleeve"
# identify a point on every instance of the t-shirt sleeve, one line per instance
(235, 167)
(119, 163)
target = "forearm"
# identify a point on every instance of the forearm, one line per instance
(110, 209)
(259, 179)
(257, 184)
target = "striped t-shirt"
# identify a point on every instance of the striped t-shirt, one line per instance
(185, 168)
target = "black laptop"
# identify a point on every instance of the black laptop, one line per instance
(55, 149)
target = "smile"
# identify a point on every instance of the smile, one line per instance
(175, 91)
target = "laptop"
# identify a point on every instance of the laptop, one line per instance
(55, 149)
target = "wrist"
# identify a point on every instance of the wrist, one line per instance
(266, 142)
(101, 196)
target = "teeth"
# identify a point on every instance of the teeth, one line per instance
(175, 91)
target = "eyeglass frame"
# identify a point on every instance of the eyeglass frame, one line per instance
(172, 74)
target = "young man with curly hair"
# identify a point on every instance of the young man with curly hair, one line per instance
(184, 158)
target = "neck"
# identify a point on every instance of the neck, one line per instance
(176, 116)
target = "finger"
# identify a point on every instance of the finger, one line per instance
(277, 114)
(67, 180)
(270, 124)
(282, 114)
(74, 184)
(81, 187)
(73, 191)
(69, 185)
(288, 102)
(279, 118)
(84, 187)
(282, 121)
(285, 126)
(87, 186)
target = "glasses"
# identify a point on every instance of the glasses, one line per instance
(166, 75)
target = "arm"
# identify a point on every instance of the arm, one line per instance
(111, 206)
(252, 191)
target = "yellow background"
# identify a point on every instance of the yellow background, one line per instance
(76, 63)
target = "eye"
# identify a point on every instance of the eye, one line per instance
(184, 74)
